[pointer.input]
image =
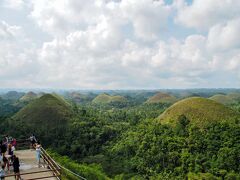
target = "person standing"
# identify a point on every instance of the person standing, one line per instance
(6, 162)
(38, 153)
(33, 141)
(3, 149)
(6, 139)
(16, 166)
(14, 143)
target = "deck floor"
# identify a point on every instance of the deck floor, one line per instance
(28, 163)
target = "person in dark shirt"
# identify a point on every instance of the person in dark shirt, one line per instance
(3, 148)
(16, 166)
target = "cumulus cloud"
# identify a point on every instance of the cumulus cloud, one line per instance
(225, 36)
(123, 44)
(204, 14)
(15, 59)
(149, 18)
(13, 4)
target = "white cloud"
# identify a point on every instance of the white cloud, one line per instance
(204, 14)
(14, 4)
(16, 60)
(149, 18)
(225, 36)
(60, 17)
(7, 31)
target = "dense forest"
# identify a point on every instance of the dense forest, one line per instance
(122, 136)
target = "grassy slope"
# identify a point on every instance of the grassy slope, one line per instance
(226, 99)
(47, 109)
(199, 111)
(105, 98)
(221, 99)
(162, 98)
(234, 96)
(28, 97)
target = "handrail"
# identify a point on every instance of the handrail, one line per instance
(73, 173)
(52, 164)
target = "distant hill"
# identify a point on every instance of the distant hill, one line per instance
(13, 95)
(28, 97)
(41, 94)
(79, 98)
(162, 98)
(7, 108)
(234, 96)
(199, 111)
(186, 94)
(105, 98)
(226, 99)
(48, 113)
(221, 98)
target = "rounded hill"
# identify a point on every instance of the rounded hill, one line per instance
(77, 97)
(221, 98)
(199, 111)
(47, 113)
(162, 98)
(28, 97)
(105, 98)
(234, 96)
(226, 99)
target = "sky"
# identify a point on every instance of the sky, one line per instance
(119, 44)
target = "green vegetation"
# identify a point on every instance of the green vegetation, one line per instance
(28, 97)
(105, 98)
(195, 138)
(162, 98)
(158, 151)
(221, 98)
(228, 99)
(46, 115)
(234, 96)
(78, 97)
(92, 171)
(7, 109)
(199, 111)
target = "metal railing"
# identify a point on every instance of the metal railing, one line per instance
(51, 163)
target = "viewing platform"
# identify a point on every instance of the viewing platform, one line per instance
(29, 168)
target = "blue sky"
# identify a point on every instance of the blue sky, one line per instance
(128, 44)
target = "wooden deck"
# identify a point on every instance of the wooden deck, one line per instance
(28, 163)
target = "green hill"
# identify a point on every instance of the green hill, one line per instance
(221, 98)
(28, 97)
(199, 111)
(43, 115)
(13, 95)
(78, 97)
(226, 99)
(162, 98)
(234, 96)
(105, 98)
